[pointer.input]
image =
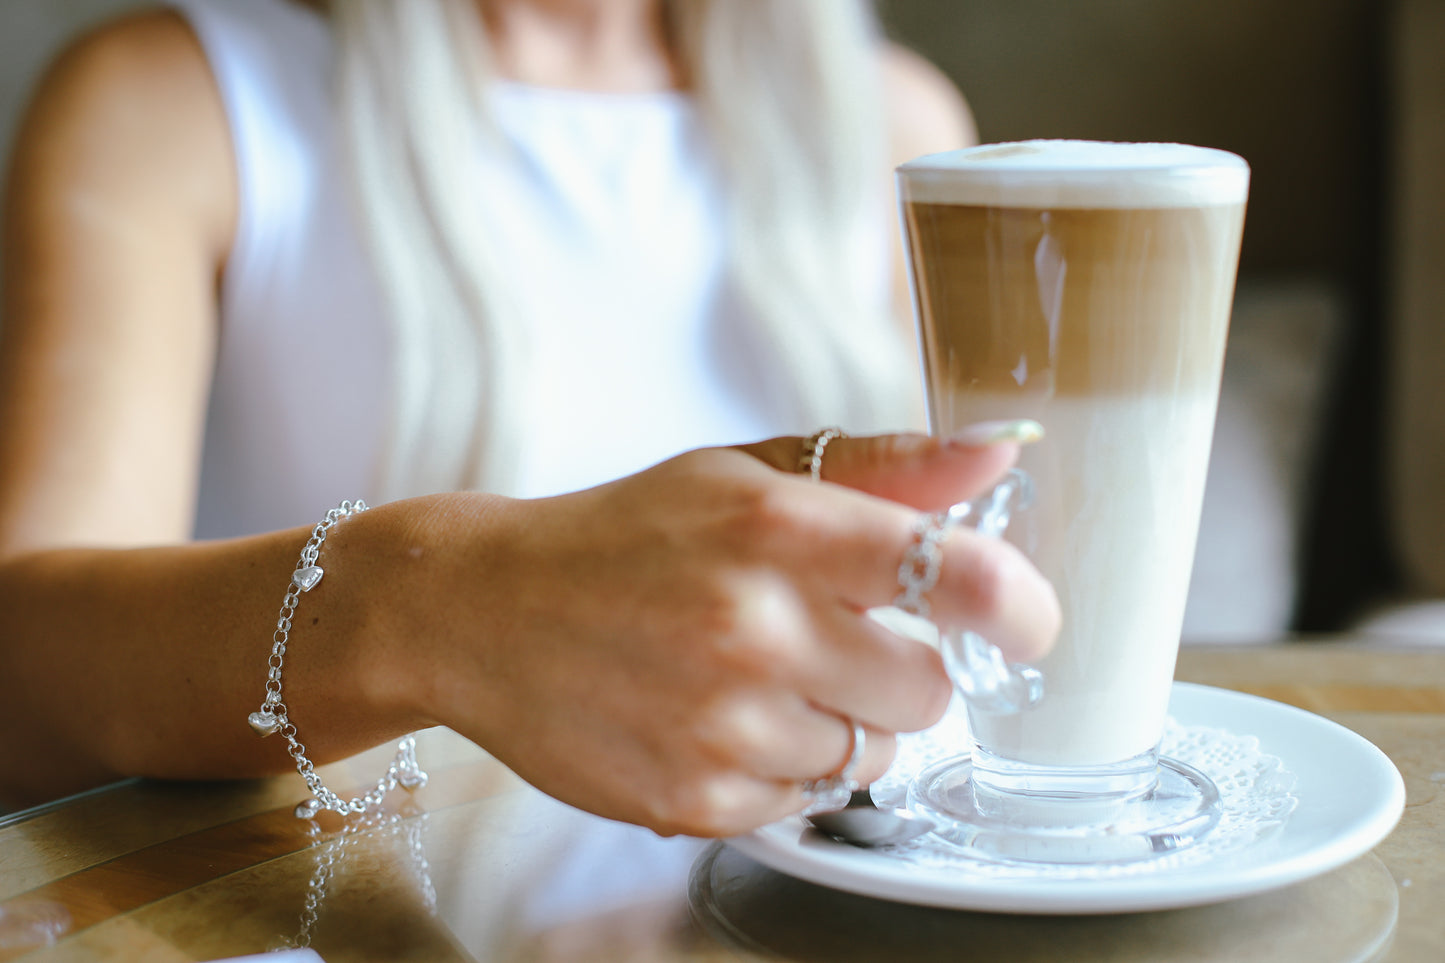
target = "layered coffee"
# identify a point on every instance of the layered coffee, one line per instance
(1086, 286)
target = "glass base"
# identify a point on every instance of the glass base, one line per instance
(1059, 826)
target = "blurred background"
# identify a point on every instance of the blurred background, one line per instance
(1295, 526)
(1326, 499)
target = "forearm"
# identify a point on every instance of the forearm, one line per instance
(148, 661)
(674, 649)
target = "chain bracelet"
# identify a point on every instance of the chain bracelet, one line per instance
(274, 717)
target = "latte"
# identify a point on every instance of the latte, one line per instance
(1086, 286)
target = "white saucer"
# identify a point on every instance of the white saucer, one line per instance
(1350, 797)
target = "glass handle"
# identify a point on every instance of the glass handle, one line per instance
(976, 666)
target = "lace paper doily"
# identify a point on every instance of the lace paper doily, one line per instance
(1256, 796)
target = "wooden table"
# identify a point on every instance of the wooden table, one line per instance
(481, 867)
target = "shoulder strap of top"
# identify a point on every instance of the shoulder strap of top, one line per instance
(271, 60)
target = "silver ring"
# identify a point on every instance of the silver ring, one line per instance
(845, 781)
(918, 572)
(810, 459)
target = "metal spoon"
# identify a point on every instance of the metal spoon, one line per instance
(861, 823)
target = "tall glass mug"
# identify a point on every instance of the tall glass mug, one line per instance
(1086, 286)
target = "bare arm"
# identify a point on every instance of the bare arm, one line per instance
(118, 213)
(118, 216)
(635, 649)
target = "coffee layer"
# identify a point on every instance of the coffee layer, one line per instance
(1038, 303)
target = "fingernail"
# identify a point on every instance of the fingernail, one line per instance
(1022, 431)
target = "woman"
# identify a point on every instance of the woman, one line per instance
(442, 253)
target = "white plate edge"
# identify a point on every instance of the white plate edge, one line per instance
(1099, 896)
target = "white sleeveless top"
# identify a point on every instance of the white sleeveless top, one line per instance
(615, 191)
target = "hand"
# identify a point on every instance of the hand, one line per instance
(681, 648)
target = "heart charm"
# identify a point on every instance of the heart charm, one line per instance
(264, 723)
(306, 578)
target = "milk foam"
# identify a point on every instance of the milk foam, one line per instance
(1077, 174)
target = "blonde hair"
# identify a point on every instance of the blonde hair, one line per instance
(789, 94)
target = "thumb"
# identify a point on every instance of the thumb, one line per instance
(920, 471)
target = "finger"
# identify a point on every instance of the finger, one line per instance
(988, 586)
(865, 671)
(921, 471)
(879, 748)
(852, 546)
(780, 735)
(918, 470)
(737, 800)
(728, 803)
(775, 734)
(878, 755)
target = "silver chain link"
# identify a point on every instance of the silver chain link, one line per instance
(274, 716)
(330, 856)
(918, 572)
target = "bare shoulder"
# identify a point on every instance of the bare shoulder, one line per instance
(926, 112)
(130, 110)
(145, 52)
(149, 59)
(119, 212)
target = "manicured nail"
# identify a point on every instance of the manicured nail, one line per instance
(1022, 431)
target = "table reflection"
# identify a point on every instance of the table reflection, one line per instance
(518, 877)
(524, 878)
(479, 866)
(1347, 915)
(332, 856)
